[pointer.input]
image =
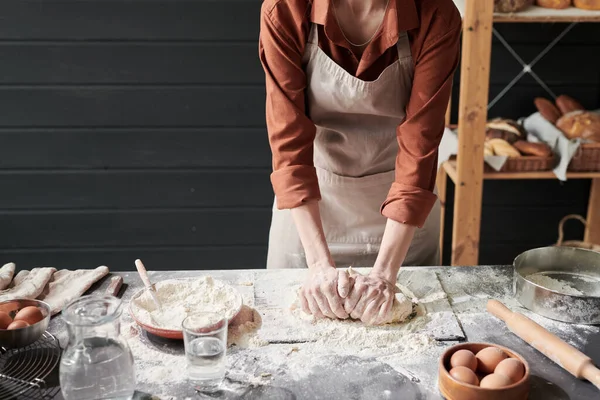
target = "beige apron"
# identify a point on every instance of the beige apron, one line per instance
(355, 151)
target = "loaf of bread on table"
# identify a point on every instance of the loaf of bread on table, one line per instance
(511, 6)
(505, 129)
(502, 148)
(556, 4)
(580, 124)
(533, 149)
(587, 4)
(547, 109)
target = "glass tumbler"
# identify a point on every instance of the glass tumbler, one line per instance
(205, 340)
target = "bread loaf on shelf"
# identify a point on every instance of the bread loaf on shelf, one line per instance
(580, 124)
(587, 4)
(556, 4)
(487, 149)
(502, 148)
(511, 6)
(505, 129)
(533, 149)
(547, 109)
(567, 104)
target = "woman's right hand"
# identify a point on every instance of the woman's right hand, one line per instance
(324, 291)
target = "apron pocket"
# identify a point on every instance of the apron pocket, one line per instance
(350, 210)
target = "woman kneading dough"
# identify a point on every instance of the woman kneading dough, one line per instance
(356, 97)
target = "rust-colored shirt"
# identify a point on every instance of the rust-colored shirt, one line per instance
(433, 28)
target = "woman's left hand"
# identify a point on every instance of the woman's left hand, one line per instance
(370, 299)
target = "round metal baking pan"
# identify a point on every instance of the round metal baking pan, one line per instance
(570, 288)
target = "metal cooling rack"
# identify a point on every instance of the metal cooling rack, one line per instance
(23, 371)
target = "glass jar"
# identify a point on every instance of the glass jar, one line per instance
(97, 363)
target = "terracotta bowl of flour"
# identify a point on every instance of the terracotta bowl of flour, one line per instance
(180, 298)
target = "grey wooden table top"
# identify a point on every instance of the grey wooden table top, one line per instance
(332, 376)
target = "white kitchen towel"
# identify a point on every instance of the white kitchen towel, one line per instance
(564, 148)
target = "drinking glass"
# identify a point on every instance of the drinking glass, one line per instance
(205, 341)
(97, 362)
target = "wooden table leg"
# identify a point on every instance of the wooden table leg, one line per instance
(442, 184)
(472, 116)
(592, 231)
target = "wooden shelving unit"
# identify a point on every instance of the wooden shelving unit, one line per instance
(467, 172)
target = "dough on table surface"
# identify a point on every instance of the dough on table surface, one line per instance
(6, 274)
(28, 284)
(402, 307)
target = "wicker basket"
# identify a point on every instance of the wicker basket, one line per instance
(525, 164)
(586, 159)
(574, 243)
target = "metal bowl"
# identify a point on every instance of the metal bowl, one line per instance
(23, 336)
(576, 299)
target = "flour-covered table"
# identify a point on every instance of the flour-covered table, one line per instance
(283, 354)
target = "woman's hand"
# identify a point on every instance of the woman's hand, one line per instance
(324, 291)
(371, 299)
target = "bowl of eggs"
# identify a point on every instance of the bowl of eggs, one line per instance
(22, 322)
(483, 371)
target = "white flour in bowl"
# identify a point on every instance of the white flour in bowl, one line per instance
(181, 297)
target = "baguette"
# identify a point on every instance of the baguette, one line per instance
(555, 4)
(567, 104)
(533, 149)
(547, 109)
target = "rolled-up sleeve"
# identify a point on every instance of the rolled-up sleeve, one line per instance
(291, 132)
(411, 196)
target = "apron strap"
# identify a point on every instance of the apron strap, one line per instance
(403, 46)
(313, 36)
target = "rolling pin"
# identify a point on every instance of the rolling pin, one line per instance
(563, 354)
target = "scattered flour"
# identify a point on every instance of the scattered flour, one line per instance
(153, 365)
(553, 284)
(181, 297)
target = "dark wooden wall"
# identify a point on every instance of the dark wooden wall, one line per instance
(136, 129)
(133, 129)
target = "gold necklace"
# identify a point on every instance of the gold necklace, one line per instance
(374, 34)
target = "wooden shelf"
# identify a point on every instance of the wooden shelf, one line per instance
(539, 14)
(450, 168)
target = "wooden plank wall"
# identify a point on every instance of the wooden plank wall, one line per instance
(136, 129)
(133, 129)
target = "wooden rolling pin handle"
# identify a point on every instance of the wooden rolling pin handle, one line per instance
(591, 373)
(565, 355)
(143, 273)
(499, 310)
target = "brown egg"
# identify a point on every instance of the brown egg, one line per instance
(464, 358)
(489, 358)
(511, 368)
(465, 375)
(30, 314)
(495, 381)
(5, 320)
(17, 325)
